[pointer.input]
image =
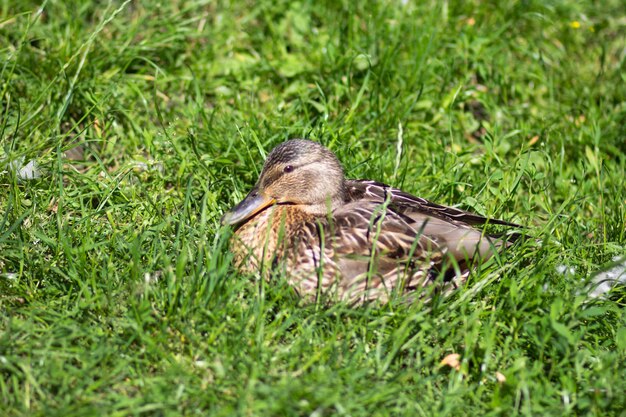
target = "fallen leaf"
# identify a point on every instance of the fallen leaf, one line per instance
(452, 360)
(264, 96)
(533, 140)
(53, 206)
(97, 127)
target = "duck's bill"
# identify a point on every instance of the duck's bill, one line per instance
(251, 205)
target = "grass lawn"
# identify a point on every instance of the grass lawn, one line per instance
(143, 121)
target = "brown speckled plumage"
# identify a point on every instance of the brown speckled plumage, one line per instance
(354, 240)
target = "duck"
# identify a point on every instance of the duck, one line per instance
(356, 241)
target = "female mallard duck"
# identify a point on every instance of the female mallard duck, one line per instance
(357, 240)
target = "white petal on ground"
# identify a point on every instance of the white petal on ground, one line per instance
(604, 281)
(30, 171)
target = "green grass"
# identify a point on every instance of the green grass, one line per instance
(117, 294)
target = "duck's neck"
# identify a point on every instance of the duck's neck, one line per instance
(327, 205)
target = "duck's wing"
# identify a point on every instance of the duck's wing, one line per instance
(379, 249)
(383, 240)
(405, 202)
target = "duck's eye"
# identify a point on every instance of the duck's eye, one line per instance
(288, 168)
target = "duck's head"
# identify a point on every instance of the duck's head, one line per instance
(298, 172)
